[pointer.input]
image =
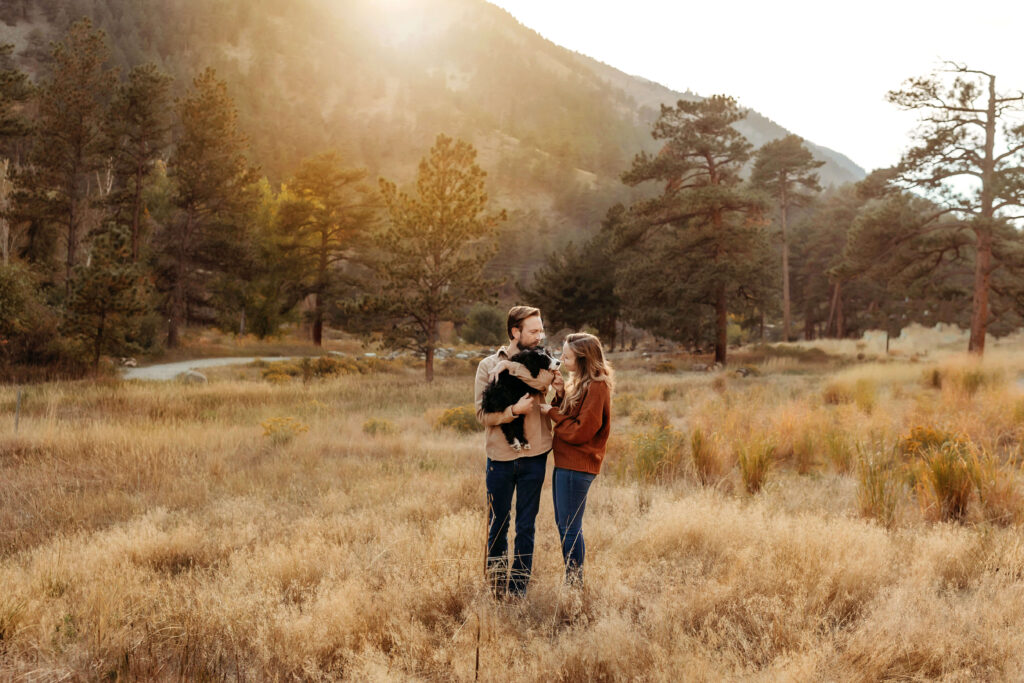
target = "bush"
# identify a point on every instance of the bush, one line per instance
(837, 394)
(627, 404)
(460, 418)
(665, 366)
(374, 427)
(657, 453)
(485, 325)
(281, 430)
(838, 450)
(1000, 499)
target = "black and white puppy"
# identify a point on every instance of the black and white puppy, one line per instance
(507, 389)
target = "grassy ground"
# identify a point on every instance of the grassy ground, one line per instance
(262, 527)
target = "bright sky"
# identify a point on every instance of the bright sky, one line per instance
(819, 69)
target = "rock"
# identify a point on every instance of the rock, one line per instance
(462, 355)
(337, 354)
(369, 355)
(193, 377)
(129, 363)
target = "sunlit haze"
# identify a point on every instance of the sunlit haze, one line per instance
(820, 70)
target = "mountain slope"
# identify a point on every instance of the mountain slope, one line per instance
(379, 79)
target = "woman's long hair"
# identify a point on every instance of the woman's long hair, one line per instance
(591, 366)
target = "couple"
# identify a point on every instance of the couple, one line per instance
(580, 413)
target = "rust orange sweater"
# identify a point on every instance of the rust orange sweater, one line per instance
(580, 435)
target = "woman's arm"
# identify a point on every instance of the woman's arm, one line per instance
(582, 428)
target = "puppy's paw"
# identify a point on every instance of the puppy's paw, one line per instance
(516, 446)
(526, 446)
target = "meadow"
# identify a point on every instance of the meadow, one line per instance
(815, 517)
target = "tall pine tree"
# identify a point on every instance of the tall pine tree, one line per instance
(700, 244)
(214, 190)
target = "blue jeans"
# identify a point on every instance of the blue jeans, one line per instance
(524, 477)
(569, 490)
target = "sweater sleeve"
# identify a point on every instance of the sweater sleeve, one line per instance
(582, 428)
(487, 419)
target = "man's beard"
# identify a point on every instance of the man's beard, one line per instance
(524, 347)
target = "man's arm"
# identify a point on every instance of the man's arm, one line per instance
(487, 419)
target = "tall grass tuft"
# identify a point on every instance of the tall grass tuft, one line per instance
(708, 462)
(657, 454)
(878, 487)
(944, 480)
(755, 460)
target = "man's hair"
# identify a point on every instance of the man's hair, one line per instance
(516, 316)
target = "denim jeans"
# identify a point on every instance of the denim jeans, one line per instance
(569, 490)
(524, 477)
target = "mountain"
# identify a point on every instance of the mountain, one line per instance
(379, 79)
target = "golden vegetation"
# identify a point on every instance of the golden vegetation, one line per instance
(326, 527)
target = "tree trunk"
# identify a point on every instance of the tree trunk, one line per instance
(979, 304)
(430, 363)
(318, 322)
(241, 325)
(722, 327)
(786, 313)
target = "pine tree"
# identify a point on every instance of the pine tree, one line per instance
(108, 295)
(214, 190)
(68, 152)
(323, 226)
(783, 168)
(968, 133)
(138, 127)
(434, 246)
(577, 284)
(701, 243)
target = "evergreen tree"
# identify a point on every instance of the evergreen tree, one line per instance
(783, 168)
(68, 152)
(214, 190)
(968, 134)
(321, 229)
(108, 296)
(15, 91)
(434, 246)
(139, 125)
(701, 243)
(577, 285)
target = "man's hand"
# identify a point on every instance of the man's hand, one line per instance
(523, 406)
(558, 384)
(499, 367)
(545, 408)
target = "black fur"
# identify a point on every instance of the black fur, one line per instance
(506, 390)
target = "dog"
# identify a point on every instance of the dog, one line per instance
(507, 389)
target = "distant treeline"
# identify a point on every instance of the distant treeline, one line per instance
(129, 213)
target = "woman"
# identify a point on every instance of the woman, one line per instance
(581, 415)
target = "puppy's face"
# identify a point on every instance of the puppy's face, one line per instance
(536, 360)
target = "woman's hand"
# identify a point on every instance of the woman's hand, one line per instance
(500, 367)
(558, 384)
(545, 408)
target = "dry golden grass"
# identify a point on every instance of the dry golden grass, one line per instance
(332, 529)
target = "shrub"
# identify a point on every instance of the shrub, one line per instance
(665, 366)
(281, 430)
(277, 377)
(864, 395)
(755, 460)
(484, 325)
(922, 439)
(375, 426)
(460, 418)
(657, 453)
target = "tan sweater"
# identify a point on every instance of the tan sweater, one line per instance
(537, 426)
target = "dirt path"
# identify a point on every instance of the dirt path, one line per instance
(167, 371)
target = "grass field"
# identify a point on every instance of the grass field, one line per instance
(815, 520)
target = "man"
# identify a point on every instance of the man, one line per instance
(509, 471)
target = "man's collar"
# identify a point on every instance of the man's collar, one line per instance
(508, 351)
